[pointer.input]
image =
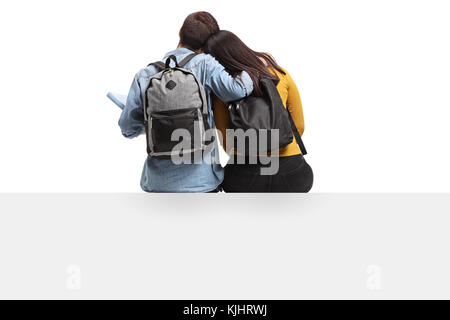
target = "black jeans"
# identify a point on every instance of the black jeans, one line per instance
(294, 175)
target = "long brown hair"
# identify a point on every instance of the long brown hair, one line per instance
(236, 57)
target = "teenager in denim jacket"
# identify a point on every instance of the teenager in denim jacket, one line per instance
(163, 175)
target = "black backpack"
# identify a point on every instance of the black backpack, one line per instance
(265, 113)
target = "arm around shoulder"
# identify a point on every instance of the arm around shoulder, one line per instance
(223, 85)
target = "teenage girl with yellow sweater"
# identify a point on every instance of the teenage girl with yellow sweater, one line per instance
(294, 174)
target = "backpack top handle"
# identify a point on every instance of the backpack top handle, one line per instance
(171, 57)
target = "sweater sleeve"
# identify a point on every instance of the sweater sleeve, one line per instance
(294, 104)
(221, 119)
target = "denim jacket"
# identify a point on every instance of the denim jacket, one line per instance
(163, 175)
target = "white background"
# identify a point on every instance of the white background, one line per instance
(374, 78)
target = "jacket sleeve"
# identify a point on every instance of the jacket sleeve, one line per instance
(223, 85)
(131, 120)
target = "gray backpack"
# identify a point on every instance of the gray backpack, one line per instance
(175, 111)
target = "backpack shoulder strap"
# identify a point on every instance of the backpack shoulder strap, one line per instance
(270, 90)
(186, 60)
(296, 134)
(159, 65)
